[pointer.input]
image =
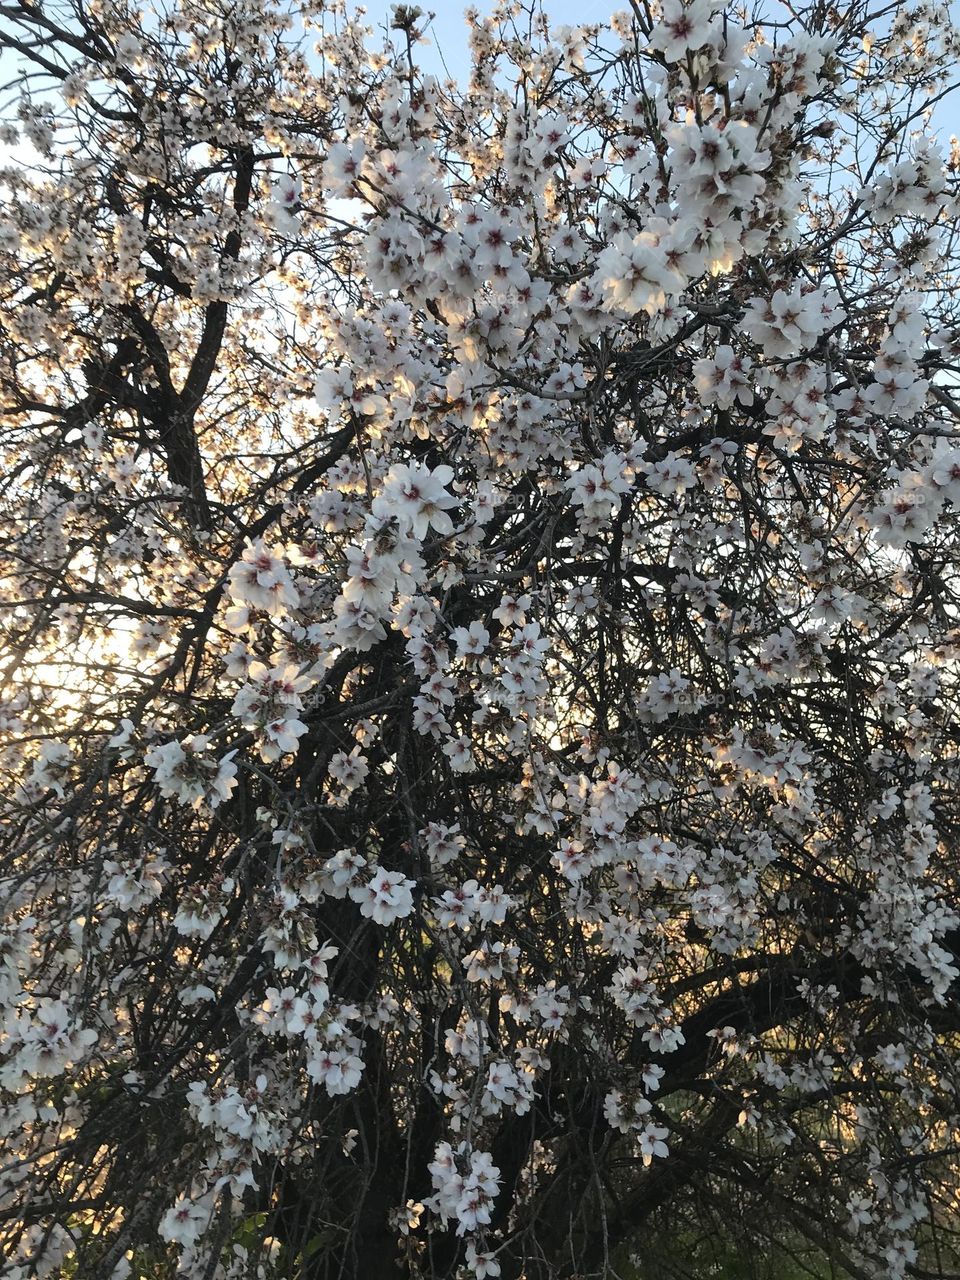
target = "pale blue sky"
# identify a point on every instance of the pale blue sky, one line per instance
(448, 34)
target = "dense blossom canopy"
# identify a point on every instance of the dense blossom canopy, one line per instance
(479, 637)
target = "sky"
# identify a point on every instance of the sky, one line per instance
(447, 51)
(449, 31)
(448, 35)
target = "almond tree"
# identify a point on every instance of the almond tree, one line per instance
(480, 641)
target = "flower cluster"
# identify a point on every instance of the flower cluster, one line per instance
(465, 1183)
(270, 703)
(188, 771)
